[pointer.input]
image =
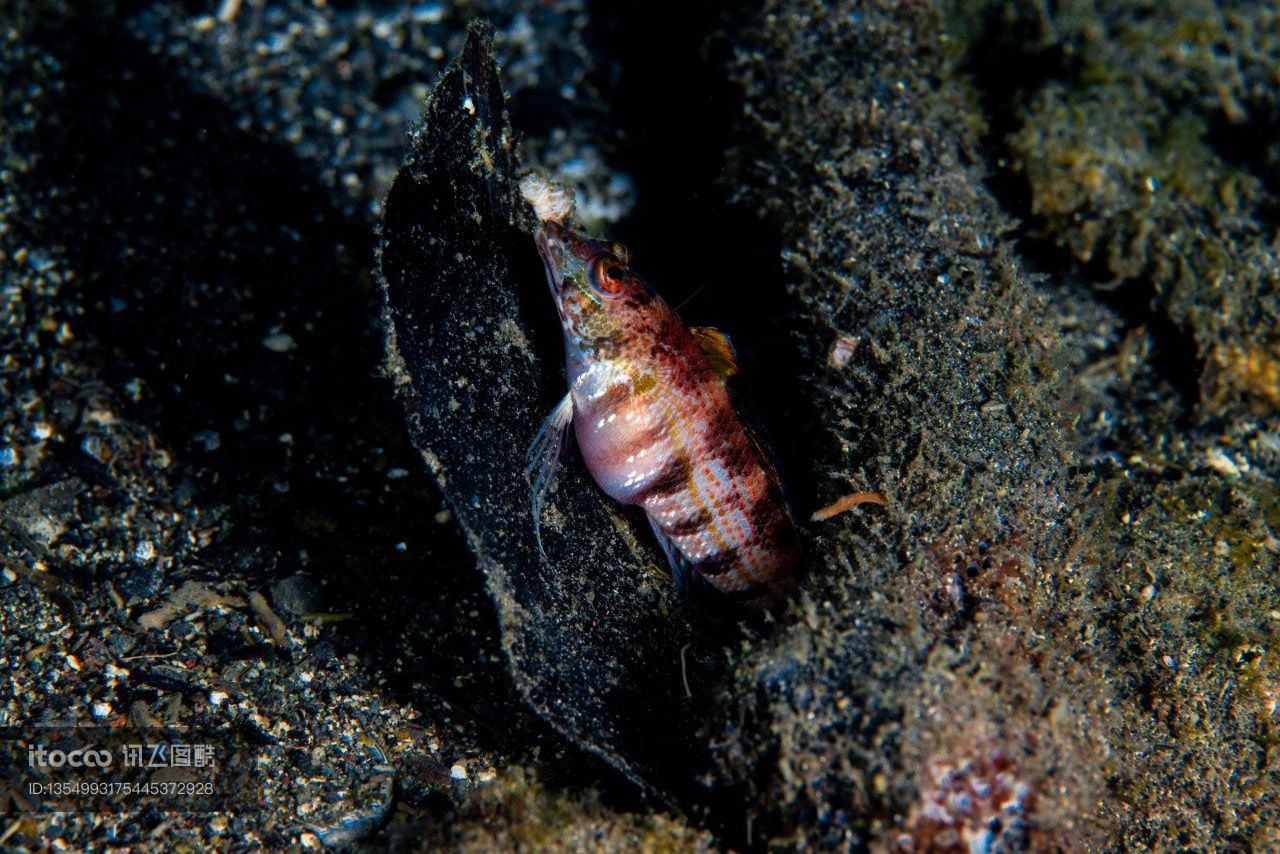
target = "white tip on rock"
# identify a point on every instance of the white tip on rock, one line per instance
(550, 201)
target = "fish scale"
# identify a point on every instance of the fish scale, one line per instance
(651, 411)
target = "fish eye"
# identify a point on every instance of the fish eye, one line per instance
(607, 275)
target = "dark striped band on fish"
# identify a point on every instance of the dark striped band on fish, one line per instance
(724, 423)
(769, 511)
(615, 396)
(643, 441)
(717, 564)
(734, 453)
(781, 534)
(673, 478)
(691, 525)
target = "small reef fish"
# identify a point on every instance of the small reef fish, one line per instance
(655, 424)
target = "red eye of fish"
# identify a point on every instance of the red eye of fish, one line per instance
(607, 275)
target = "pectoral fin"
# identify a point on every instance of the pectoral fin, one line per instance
(543, 456)
(718, 349)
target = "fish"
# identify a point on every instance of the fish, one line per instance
(655, 423)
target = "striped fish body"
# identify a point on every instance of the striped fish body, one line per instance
(652, 414)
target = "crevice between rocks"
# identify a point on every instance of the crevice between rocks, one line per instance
(674, 114)
(677, 114)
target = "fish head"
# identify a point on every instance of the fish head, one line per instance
(599, 297)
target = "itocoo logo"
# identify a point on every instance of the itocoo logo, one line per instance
(81, 757)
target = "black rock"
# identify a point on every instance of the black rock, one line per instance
(592, 629)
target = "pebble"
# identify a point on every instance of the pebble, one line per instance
(208, 440)
(279, 342)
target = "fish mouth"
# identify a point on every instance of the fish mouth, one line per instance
(565, 255)
(561, 248)
(544, 242)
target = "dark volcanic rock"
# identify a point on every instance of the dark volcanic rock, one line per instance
(589, 627)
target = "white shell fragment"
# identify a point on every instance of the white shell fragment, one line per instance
(550, 201)
(842, 352)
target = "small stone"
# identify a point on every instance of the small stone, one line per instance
(207, 440)
(279, 342)
(1223, 464)
(428, 13)
(298, 594)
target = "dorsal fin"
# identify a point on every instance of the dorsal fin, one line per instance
(718, 349)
